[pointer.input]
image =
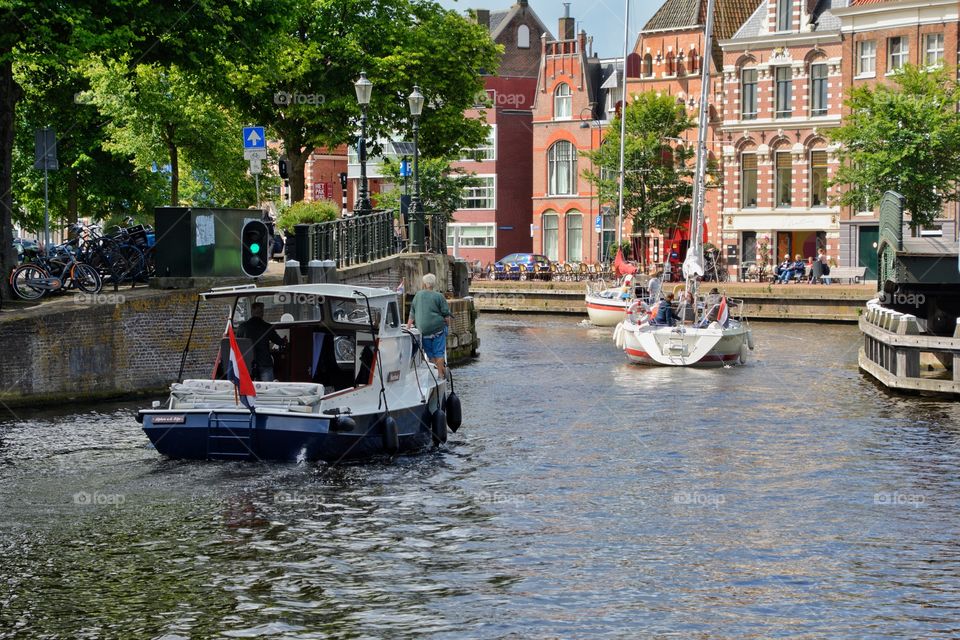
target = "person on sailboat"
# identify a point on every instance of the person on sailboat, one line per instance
(665, 315)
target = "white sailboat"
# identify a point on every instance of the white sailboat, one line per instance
(708, 333)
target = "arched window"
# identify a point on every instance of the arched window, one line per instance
(551, 235)
(647, 65)
(523, 37)
(574, 236)
(562, 169)
(562, 99)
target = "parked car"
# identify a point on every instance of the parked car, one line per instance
(509, 266)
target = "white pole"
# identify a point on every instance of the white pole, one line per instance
(623, 119)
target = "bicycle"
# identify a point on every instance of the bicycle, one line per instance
(58, 272)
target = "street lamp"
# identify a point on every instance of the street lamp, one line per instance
(364, 88)
(416, 209)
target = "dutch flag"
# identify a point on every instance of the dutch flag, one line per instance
(723, 313)
(238, 374)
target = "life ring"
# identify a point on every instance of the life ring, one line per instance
(632, 311)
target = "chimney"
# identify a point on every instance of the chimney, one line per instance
(522, 3)
(483, 18)
(567, 29)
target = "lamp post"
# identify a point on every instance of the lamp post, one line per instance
(364, 88)
(416, 209)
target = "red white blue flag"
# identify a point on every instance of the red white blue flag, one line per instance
(400, 287)
(723, 313)
(238, 374)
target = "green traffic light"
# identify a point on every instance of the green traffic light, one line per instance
(255, 248)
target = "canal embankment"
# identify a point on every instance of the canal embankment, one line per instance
(834, 302)
(130, 342)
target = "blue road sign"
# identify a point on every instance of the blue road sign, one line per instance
(405, 169)
(253, 138)
(598, 223)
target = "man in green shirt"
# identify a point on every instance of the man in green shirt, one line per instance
(430, 313)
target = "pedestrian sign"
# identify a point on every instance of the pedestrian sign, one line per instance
(253, 138)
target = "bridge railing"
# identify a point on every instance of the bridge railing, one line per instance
(359, 239)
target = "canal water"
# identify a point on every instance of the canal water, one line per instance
(584, 497)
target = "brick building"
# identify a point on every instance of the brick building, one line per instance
(495, 220)
(783, 90)
(878, 37)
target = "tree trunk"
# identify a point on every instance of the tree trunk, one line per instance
(10, 94)
(174, 168)
(296, 164)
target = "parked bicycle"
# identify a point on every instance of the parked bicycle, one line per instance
(59, 270)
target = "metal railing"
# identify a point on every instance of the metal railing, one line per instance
(359, 239)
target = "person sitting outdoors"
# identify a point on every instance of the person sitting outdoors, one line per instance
(261, 333)
(665, 315)
(824, 263)
(799, 268)
(687, 309)
(784, 270)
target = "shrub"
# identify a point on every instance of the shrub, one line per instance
(305, 213)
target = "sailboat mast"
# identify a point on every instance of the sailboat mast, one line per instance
(700, 176)
(623, 119)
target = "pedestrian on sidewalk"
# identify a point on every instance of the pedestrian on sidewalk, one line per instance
(430, 313)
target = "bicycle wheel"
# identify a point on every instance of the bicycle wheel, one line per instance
(109, 261)
(86, 278)
(138, 265)
(21, 278)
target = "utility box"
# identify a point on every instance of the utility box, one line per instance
(461, 278)
(198, 242)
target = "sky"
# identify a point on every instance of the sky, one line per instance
(602, 19)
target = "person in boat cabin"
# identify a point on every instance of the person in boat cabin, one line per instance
(261, 333)
(665, 315)
(430, 313)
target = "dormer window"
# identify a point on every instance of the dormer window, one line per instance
(784, 15)
(523, 37)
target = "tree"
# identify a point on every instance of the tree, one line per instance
(904, 138)
(301, 84)
(657, 180)
(441, 186)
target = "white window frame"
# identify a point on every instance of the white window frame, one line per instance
(566, 233)
(553, 165)
(902, 56)
(492, 198)
(937, 50)
(454, 236)
(744, 114)
(483, 153)
(867, 52)
(523, 37)
(562, 100)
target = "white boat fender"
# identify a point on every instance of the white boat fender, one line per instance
(750, 340)
(618, 335)
(743, 354)
(391, 436)
(453, 411)
(439, 427)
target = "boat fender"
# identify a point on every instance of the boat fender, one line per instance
(454, 413)
(618, 335)
(743, 354)
(391, 437)
(343, 423)
(439, 427)
(750, 340)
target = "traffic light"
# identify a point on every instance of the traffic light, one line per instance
(255, 248)
(283, 168)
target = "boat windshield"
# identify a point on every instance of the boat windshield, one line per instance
(285, 307)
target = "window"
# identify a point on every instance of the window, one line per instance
(483, 196)
(784, 15)
(562, 169)
(647, 65)
(471, 235)
(818, 178)
(899, 53)
(562, 98)
(748, 246)
(784, 179)
(748, 180)
(933, 53)
(818, 90)
(551, 236)
(867, 57)
(523, 37)
(574, 236)
(748, 94)
(784, 89)
(487, 151)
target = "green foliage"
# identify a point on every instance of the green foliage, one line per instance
(304, 212)
(903, 137)
(441, 186)
(657, 181)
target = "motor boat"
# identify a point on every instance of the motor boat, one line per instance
(351, 382)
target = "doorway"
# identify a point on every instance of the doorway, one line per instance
(869, 236)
